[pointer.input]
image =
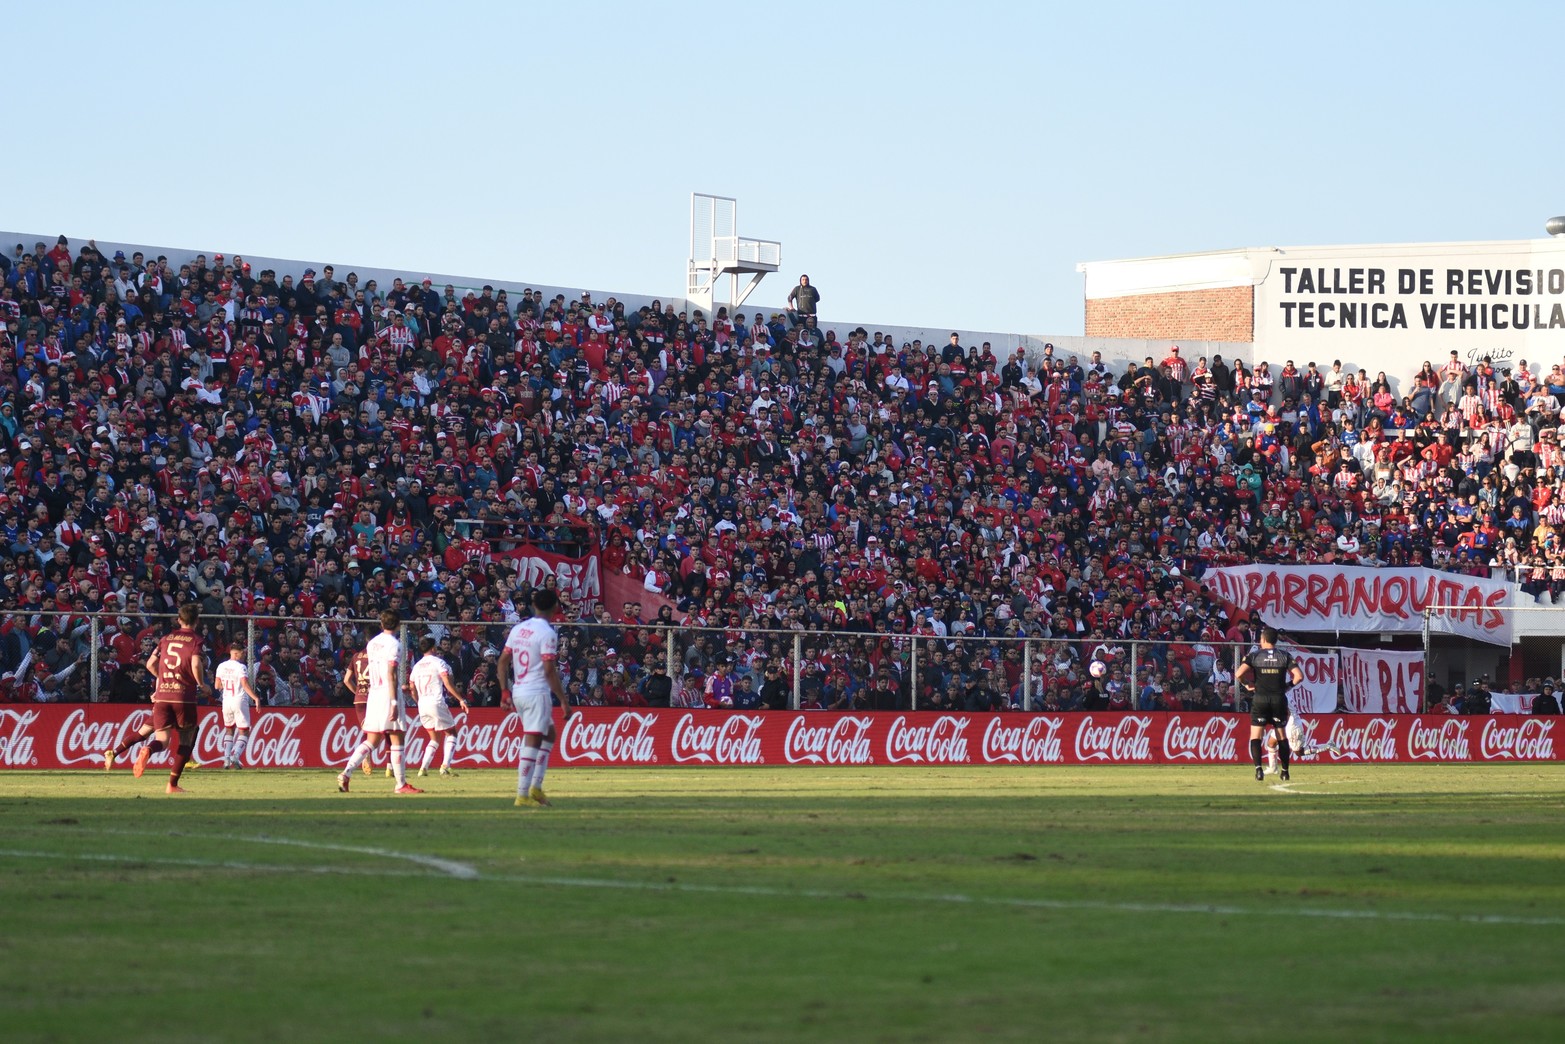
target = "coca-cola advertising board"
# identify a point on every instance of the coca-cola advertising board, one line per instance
(65, 736)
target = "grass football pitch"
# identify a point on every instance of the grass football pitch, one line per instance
(1370, 902)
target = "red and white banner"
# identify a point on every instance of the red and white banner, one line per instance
(1317, 693)
(576, 578)
(1375, 682)
(1511, 702)
(66, 736)
(1361, 599)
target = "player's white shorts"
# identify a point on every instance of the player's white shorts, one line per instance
(435, 715)
(383, 714)
(236, 712)
(536, 709)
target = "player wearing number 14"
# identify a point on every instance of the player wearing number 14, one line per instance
(233, 683)
(529, 674)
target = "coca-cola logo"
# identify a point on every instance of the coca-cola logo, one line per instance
(497, 744)
(16, 745)
(82, 741)
(623, 740)
(1375, 740)
(339, 739)
(942, 742)
(846, 741)
(1035, 743)
(1127, 739)
(1531, 740)
(733, 739)
(275, 741)
(1445, 739)
(1208, 741)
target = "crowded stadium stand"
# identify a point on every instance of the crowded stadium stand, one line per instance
(748, 509)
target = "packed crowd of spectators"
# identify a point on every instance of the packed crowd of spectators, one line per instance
(307, 452)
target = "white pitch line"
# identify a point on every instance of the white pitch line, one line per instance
(818, 894)
(446, 866)
(211, 864)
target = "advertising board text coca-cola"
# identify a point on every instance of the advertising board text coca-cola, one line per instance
(63, 736)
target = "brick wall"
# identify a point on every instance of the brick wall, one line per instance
(1227, 314)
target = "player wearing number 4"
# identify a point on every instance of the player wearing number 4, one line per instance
(530, 654)
(1274, 672)
(233, 683)
(431, 681)
(383, 711)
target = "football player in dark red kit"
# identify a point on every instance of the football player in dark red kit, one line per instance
(176, 665)
(357, 681)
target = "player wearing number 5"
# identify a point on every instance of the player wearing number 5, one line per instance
(176, 666)
(431, 681)
(233, 683)
(529, 673)
(1274, 671)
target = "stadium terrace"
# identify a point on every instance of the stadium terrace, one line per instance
(297, 446)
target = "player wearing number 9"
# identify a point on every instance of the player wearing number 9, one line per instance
(529, 674)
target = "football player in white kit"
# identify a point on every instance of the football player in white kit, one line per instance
(430, 680)
(1297, 740)
(383, 711)
(530, 654)
(232, 681)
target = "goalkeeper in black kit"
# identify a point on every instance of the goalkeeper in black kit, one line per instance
(1270, 672)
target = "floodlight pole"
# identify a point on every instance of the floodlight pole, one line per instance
(1027, 674)
(1423, 701)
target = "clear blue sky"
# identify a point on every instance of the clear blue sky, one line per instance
(944, 164)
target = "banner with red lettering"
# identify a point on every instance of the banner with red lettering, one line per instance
(1317, 693)
(1376, 682)
(1360, 599)
(576, 578)
(65, 736)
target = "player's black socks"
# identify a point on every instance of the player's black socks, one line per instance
(1284, 752)
(1255, 752)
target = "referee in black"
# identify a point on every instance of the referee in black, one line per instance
(1274, 671)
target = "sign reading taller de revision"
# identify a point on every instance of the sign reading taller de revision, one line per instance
(1390, 307)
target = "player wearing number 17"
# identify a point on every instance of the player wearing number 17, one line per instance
(431, 681)
(529, 673)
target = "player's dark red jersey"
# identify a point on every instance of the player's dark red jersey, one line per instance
(359, 669)
(177, 657)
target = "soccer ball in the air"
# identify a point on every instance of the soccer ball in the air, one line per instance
(1098, 669)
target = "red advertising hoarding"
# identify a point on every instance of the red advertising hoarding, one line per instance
(63, 736)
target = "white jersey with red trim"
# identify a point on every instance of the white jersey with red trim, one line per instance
(230, 677)
(425, 680)
(532, 643)
(383, 651)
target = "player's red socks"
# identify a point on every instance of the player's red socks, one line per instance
(178, 757)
